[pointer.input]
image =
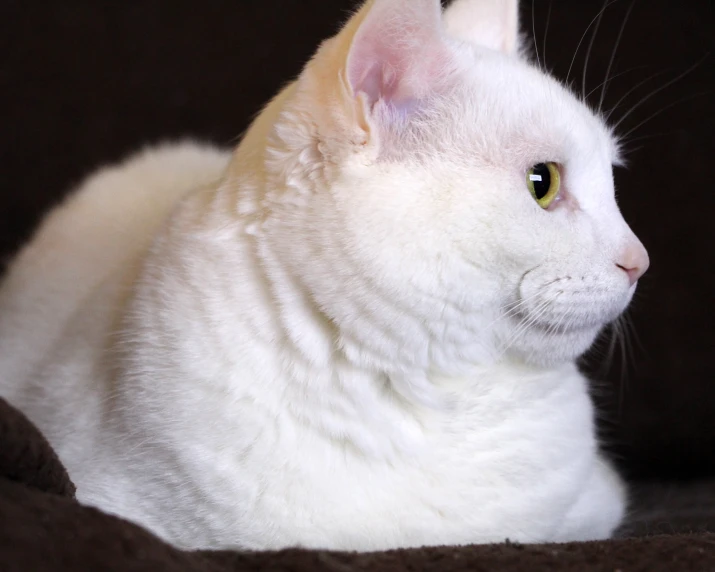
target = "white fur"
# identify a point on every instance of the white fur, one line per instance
(490, 23)
(358, 332)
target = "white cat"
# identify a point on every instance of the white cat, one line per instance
(357, 332)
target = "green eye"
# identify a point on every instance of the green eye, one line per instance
(544, 183)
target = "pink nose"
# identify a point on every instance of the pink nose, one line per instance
(634, 261)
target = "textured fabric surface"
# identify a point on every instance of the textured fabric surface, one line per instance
(26, 457)
(83, 82)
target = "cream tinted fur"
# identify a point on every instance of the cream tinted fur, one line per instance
(308, 342)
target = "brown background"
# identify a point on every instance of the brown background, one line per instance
(83, 82)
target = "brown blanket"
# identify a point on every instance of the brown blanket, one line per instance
(42, 527)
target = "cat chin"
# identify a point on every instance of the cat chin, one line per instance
(547, 349)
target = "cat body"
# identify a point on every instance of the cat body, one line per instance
(358, 331)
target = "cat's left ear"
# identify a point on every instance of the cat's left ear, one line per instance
(492, 24)
(398, 52)
(391, 58)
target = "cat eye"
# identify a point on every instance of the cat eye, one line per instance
(544, 182)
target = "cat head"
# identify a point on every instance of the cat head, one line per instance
(441, 200)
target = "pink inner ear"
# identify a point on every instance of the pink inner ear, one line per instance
(397, 55)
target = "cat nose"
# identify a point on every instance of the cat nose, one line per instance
(634, 261)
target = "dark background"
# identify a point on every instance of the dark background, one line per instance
(83, 82)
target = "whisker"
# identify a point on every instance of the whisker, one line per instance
(523, 324)
(610, 79)
(644, 137)
(612, 337)
(530, 319)
(635, 149)
(541, 309)
(662, 109)
(617, 333)
(553, 328)
(534, 318)
(607, 4)
(571, 320)
(613, 53)
(625, 148)
(522, 301)
(624, 365)
(630, 91)
(533, 33)
(590, 47)
(633, 332)
(514, 307)
(546, 30)
(564, 322)
(661, 88)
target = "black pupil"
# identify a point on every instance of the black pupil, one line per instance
(541, 179)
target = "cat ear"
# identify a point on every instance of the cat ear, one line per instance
(397, 55)
(491, 24)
